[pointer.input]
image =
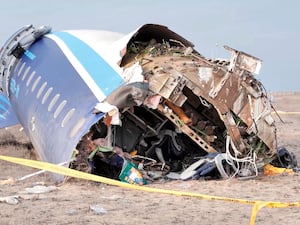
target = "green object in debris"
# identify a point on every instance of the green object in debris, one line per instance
(130, 174)
(99, 149)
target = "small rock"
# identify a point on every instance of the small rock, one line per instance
(71, 211)
(98, 209)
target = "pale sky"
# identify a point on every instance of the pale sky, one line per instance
(267, 29)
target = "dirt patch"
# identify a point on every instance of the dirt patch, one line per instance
(83, 202)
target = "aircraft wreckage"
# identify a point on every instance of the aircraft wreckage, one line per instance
(136, 107)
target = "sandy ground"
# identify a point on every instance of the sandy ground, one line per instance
(84, 202)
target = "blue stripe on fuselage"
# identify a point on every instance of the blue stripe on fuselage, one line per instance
(3, 108)
(4, 103)
(4, 99)
(102, 73)
(7, 116)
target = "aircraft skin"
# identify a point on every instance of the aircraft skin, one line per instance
(57, 82)
(57, 85)
(51, 93)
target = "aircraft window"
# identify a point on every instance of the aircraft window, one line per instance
(41, 90)
(77, 127)
(48, 92)
(18, 66)
(30, 78)
(35, 83)
(59, 108)
(53, 101)
(21, 68)
(26, 72)
(67, 117)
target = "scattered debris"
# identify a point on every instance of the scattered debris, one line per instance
(12, 200)
(97, 209)
(40, 189)
(38, 172)
(72, 211)
(28, 194)
(111, 197)
(285, 159)
(130, 174)
(272, 170)
(7, 181)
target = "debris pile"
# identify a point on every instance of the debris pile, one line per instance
(184, 117)
(147, 105)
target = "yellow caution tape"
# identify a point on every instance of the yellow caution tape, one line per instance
(257, 205)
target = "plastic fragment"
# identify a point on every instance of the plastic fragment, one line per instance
(272, 170)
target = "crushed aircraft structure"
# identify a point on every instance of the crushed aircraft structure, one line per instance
(136, 107)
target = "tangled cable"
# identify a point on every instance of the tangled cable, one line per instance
(243, 165)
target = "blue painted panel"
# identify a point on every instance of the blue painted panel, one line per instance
(52, 141)
(7, 115)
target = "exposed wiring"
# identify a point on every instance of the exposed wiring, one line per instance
(277, 114)
(204, 102)
(249, 160)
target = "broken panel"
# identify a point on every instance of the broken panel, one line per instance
(206, 107)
